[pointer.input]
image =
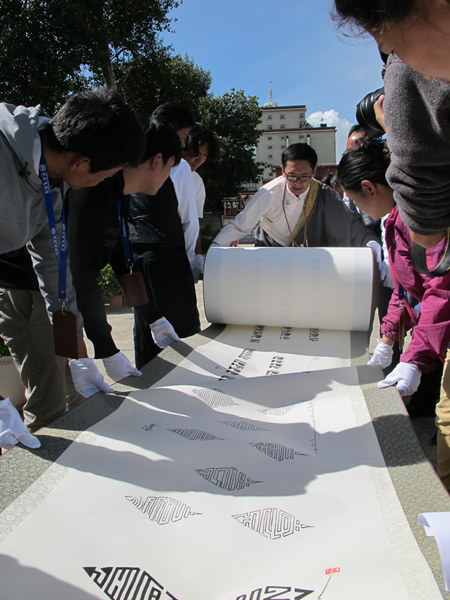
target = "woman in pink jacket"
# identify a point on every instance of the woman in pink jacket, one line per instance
(362, 176)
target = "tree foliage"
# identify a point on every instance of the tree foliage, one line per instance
(234, 118)
(166, 78)
(49, 48)
(52, 48)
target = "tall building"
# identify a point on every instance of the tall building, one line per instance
(286, 125)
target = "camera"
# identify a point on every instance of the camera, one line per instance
(365, 114)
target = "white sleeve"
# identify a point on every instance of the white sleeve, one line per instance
(200, 193)
(183, 184)
(246, 220)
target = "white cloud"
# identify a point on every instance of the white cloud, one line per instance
(332, 119)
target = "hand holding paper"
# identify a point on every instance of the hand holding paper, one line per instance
(406, 376)
(118, 367)
(163, 333)
(87, 379)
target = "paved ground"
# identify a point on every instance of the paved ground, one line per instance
(122, 324)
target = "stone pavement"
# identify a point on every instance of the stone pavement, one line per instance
(122, 324)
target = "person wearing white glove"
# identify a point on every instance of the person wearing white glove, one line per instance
(95, 235)
(362, 174)
(201, 144)
(277, 213)
(383, 353)
(118, 367)
(12, 428)
(163, 333)
(199, 265)
(376, 247)
(87, 379)
(405, 376)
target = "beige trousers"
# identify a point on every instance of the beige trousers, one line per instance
(443, 425)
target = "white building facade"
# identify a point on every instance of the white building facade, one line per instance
(283, 126)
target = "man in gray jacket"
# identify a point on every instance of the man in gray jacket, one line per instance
(92, 136)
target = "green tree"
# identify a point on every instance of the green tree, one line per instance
(49, 48)
(166, 78)
(234, 118)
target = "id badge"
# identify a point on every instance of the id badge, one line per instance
(65, 334)
(134, 289)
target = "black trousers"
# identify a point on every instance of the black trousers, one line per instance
(168, 275)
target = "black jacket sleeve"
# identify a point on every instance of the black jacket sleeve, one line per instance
(93, 239)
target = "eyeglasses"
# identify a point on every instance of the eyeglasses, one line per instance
(299, 179)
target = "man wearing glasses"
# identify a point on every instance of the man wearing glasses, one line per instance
(297, 210)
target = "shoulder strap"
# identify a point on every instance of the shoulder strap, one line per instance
(307, 208)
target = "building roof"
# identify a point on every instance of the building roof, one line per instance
(302, 106)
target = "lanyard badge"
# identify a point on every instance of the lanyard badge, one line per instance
(133, 283)
(64, 321)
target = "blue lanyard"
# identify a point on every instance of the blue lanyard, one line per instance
(125, 242)
(61, 253)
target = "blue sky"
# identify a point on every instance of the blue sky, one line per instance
(245, 43)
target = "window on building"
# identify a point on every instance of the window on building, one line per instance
(282, 137)
(302, 137)
(270, 147)
(270, 137)
(269, 126)
(270, 156)
(281, 126)
(283, 145)
(269, 117)
(281, 116)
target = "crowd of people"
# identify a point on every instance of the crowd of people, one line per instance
(94, 186)
(409, 180)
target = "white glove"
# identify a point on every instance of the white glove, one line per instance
(382, 355)
(386, 277)
(87, 379)
(376, 247)
(406, 376)
(197, 266)
(12, 428)
(199, 262)
(163, 333)
(118, 367)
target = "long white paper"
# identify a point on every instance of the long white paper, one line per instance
(221, 488)
(251, 471)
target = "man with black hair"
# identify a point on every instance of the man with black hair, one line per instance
(201, 145)
(92, 136)
(356, 134)
(95, 232)
(297, 210)
(163, 232)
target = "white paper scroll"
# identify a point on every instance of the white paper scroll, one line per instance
(329, 288)
(437, 525)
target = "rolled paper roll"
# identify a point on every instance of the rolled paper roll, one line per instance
(327, 288)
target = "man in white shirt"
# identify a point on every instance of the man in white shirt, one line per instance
(200, 145)
(297, 210)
